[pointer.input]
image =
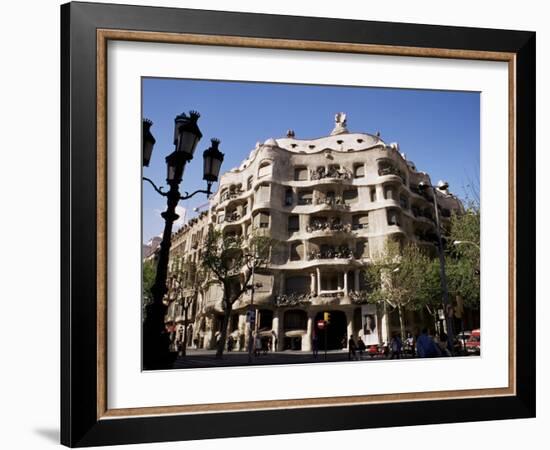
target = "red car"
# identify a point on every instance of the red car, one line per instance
(473, 344)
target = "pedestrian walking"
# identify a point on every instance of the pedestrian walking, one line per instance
(426, 347)
(396, 346)
(230, 343)
(257, 345)
(274, 339)
(315, 345)
(361, 347)
(444, 345)
(409, 343)
(352, 349)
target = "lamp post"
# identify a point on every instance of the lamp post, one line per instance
(251, 314)
(186, 137)
(442, 274)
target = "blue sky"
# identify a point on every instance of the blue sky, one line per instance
(438, 130)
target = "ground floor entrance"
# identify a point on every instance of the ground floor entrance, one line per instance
(334, 335)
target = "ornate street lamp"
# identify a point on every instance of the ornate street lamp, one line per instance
(187, 133)
(148, 141)
(423, 186)
(186, 137)
(213, 159)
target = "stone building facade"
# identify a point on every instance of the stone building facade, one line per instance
(330, 204)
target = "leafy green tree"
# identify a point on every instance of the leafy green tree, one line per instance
(463, 256)
(397, 277)
(230, 262)
(149, 272)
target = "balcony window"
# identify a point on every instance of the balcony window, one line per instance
(224, 195)
(331, 281)
(300, 174)
(389, 193)
(298, 284)
(393, 217)
(373, 195)
(265, 169)
(264, 220)
(249, 182)
(387, 168)
(359, 170)
(297, 251)
(289, 197)
(305, 197)
(360, 222)
(362, 249)
(333, 171)
(350, 196)
(295, 320)
(293, 224)
(263, 193)
(317, 223)
(261, 220)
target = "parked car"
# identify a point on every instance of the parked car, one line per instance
(473, 345)
(460, 341)
(377, 351)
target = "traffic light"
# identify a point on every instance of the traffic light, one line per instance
(327, 317)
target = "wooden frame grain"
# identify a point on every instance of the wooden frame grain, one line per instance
(103, 36)
(131, 24)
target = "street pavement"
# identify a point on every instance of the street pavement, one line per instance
(206, 358)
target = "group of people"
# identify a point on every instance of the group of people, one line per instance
(259, 346)
(423, 346)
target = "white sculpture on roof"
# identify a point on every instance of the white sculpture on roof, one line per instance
(340, 124)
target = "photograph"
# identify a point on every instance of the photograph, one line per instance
(330, 223)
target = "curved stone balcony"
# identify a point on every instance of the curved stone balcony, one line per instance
(327, 262)
(234, 196)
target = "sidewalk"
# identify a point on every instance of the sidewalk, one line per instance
(206, 358)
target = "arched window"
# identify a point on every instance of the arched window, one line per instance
(389, 193)
(359, 170)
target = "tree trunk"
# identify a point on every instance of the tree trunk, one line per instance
(401, 322)
(434, 317)
(223, 331)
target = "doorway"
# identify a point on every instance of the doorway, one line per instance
(335, 331)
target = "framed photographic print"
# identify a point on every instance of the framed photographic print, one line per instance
(269, 220)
